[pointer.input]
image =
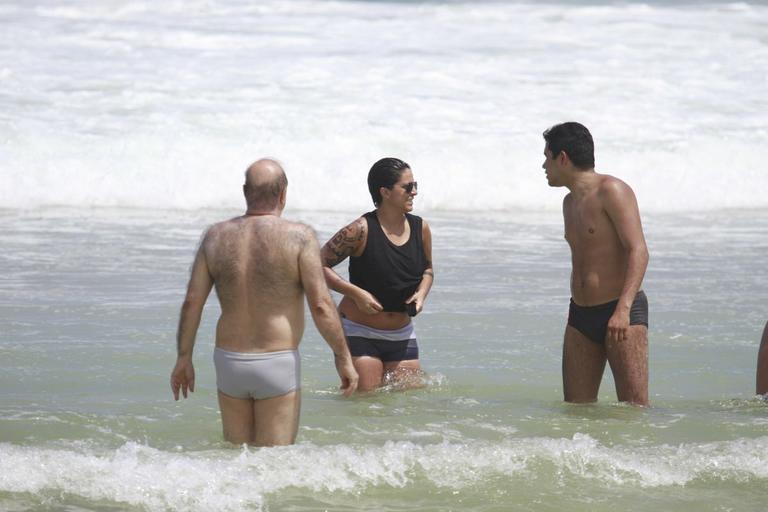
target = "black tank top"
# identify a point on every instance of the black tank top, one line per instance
(391, 273)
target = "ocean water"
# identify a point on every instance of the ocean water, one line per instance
(89, 303)
(125, 128)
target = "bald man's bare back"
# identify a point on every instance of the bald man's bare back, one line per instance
(254, 264)
(262, 268)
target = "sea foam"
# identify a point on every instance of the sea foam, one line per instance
(233, 480)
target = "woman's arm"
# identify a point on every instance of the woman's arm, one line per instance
(429, 274)
(348, 241)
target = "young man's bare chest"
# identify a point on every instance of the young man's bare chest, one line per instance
(587, 226)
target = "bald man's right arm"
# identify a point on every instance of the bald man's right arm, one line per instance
(198, 289)
(323, 309)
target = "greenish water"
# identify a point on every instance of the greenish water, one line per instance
(88, 307)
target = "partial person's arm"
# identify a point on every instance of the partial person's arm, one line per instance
(198, 289)
(324, 312)
(762, 364)
(621, 206)
(429, 274)
(349, 241)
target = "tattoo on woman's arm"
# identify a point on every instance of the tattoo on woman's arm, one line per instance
(343, 244)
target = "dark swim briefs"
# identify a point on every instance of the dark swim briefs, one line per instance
(388, 346)
(592, 321)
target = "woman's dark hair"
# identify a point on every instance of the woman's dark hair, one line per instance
(384, 173)
(575, 140)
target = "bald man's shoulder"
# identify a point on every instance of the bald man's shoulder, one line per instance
(299, 231)
(218, 229)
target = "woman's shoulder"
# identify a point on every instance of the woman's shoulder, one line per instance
(414, 220)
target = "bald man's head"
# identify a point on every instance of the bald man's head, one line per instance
(265, 182)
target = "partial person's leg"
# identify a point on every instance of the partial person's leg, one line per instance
(583, 366)
(276, 419)
(404, 374)
(236, 418)
(370, 370)
(762, 364)
(629, 363)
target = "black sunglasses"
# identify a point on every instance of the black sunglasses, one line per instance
(409, 187)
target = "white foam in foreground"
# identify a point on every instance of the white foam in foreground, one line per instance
(232, 480)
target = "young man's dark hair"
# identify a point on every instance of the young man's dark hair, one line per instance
(384, 173)
(575, 140)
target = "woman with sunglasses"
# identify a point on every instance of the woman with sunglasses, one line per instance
(390, 274)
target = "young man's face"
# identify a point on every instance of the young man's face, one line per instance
(552, 169)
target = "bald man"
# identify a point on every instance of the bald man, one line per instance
(262, 267)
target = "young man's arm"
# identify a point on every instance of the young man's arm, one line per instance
(621, 206)
(198, 289)
(324, 312)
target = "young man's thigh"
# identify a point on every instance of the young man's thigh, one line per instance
(629, 364)
(583, 366)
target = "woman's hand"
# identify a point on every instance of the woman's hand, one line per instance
(367, 303)
(417, 299)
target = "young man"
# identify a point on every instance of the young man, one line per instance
(262, 267)
(608, 315)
